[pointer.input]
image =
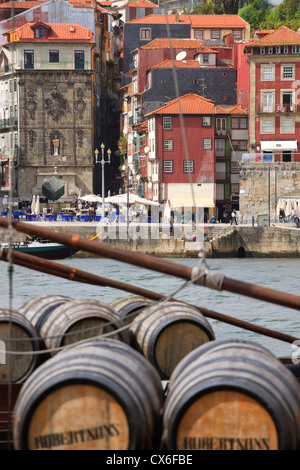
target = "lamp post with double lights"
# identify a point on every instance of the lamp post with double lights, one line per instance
(102, 161)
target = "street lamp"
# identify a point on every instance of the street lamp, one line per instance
(103, 161)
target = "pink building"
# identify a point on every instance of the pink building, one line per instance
(274, 62)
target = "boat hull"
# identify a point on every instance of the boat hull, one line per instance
(47, 252)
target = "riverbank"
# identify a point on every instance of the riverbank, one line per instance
(221, 240)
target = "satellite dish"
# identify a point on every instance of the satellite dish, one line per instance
(181, 55)
(146, 149)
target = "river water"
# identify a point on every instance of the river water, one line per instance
(279, 274)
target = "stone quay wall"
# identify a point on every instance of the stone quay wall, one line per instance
(223, 240)
(255, 190)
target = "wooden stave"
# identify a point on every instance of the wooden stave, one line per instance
(14, 317)
(129, 305)
(75, 312)
(148, 327)
(107, 380)
(195, 378)
(38, 308)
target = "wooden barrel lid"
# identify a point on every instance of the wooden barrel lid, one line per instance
(78, 417)
(174, 342)
(226, 420)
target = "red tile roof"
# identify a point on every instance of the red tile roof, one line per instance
(59, 32)
(178, 43)
(161, 19)
(167, 64)
(282, 36)
(217, 21)
(139, 4)
(21, 5)
(221, 110)
(189, 104)
(196, 21)
(237, 110)
(188, 64)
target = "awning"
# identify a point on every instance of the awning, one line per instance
(278, 145)
(190, 203)
(180, 195)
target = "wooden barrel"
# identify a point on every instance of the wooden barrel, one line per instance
(39, 308)
(166, 333)
(232, 395)
(130, 306)
(98, 395)
(78, 320)
(18, 346)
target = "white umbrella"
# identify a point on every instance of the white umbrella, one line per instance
(167, 212)
(297, 208)
(33, 204)
(91, 198)
(37, 204)
(288, 209)
(133, 199)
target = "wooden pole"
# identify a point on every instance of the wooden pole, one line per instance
(73, 274)
(152, 263)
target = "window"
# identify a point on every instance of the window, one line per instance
(205, 58)
(270, 50)
(215, 34)
(239, 123)
(40, 33)
(148, 79)
(168, 144)
(267, 101)
(168, 166)
(295, 49)
(267, 126)
(28, 59)
(221, 170)
(220, 147)
(237, 34)
(287, 100)
(278, 49)
(262, 50)
(188, 166)
(15, 84)
(198, 34)
(287, 126)
(267, 72)
(239, 144)
(206, 121)
(221, 126)
(79, 60)
(235, 188)
(287, 72)
(285, 49)
(207, 144)
(53, 56)
(145, 34)
(167, 122)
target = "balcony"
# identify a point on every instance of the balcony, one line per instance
(4, 123)
(278, 108)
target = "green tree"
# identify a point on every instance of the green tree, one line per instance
(285, 14)
(254, 13)
(207, 7)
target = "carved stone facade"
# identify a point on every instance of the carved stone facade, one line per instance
(55, 130)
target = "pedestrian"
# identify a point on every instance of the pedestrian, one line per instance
(281, 215)
(233, 217)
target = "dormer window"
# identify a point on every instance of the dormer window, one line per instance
(40, 33)
(41, 30)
